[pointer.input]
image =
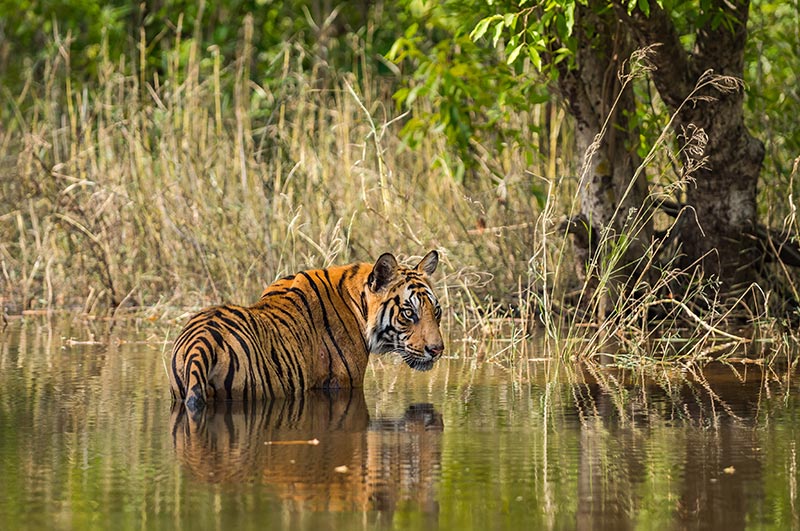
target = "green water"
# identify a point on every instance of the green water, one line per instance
(89, 440)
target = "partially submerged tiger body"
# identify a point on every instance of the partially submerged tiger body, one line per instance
(311, 330)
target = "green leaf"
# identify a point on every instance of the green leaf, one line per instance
(644, 7)
(395, 51)
(482, 27)
(480, 30)
(514, 53)
(536, 59)
(400, 95)
(459, 70)
(412, 95)
(498, 31)
(569, 14)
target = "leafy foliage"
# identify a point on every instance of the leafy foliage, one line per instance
(472, 92)
(27, 28)
(476, 62)
(773, 101)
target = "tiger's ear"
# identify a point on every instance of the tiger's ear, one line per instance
(382, 272)
(428, 263)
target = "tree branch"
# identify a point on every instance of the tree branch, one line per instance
(674, 77)
(774, 245)
(721, 48)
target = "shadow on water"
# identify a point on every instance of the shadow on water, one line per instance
(319, 452)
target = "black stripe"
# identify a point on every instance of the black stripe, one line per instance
(197, 374)
(346, 307)
(232, 370)
(348, 274)
(307, 325)
(179, 423)
(302, 296)
(364, 306)
(190, 328)
(214, 330)
(288, 321)
(324, 318)
(327, 323)
(260, 343)
(176, 375)
(279, 369)
(290, 357)
(308, 316)
(233, 329)
(255, 330)
(203, 352)
(301, 406)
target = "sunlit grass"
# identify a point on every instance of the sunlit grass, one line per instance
(198, 185)
(174, 189)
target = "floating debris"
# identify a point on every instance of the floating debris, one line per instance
(312, 442)
(70, 342)
(341, 469)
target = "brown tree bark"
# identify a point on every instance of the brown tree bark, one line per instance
(703, 88)
(610, 200)
(723, 192)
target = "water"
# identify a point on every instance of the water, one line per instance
(90, 439)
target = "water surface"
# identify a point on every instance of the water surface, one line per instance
(89, 439)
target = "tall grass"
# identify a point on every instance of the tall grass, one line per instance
(196, 184)
(650, 310)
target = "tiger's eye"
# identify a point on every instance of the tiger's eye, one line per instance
(408, 314)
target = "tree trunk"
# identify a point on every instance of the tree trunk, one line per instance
(600, 101)
(722, 195)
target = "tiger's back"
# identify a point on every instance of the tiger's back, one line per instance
(311, 330)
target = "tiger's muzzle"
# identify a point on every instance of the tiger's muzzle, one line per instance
(434, 351)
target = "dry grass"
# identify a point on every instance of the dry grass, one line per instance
(195, 185)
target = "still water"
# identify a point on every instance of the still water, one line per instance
(89, 439)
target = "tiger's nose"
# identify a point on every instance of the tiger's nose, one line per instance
(435, 350)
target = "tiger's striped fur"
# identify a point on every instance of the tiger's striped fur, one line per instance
(311, 330)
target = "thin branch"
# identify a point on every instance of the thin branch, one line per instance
(698, 320)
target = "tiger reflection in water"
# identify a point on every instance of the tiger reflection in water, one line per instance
(358, 465)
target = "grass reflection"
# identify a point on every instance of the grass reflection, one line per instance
(88, 439)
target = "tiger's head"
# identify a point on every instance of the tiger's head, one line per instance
(403, 313)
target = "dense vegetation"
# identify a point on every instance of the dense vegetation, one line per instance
(180, 153)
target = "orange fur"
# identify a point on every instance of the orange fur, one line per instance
(311, 330)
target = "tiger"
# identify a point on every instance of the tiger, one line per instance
(312, 330)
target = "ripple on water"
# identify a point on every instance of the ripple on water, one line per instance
(88, 435)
